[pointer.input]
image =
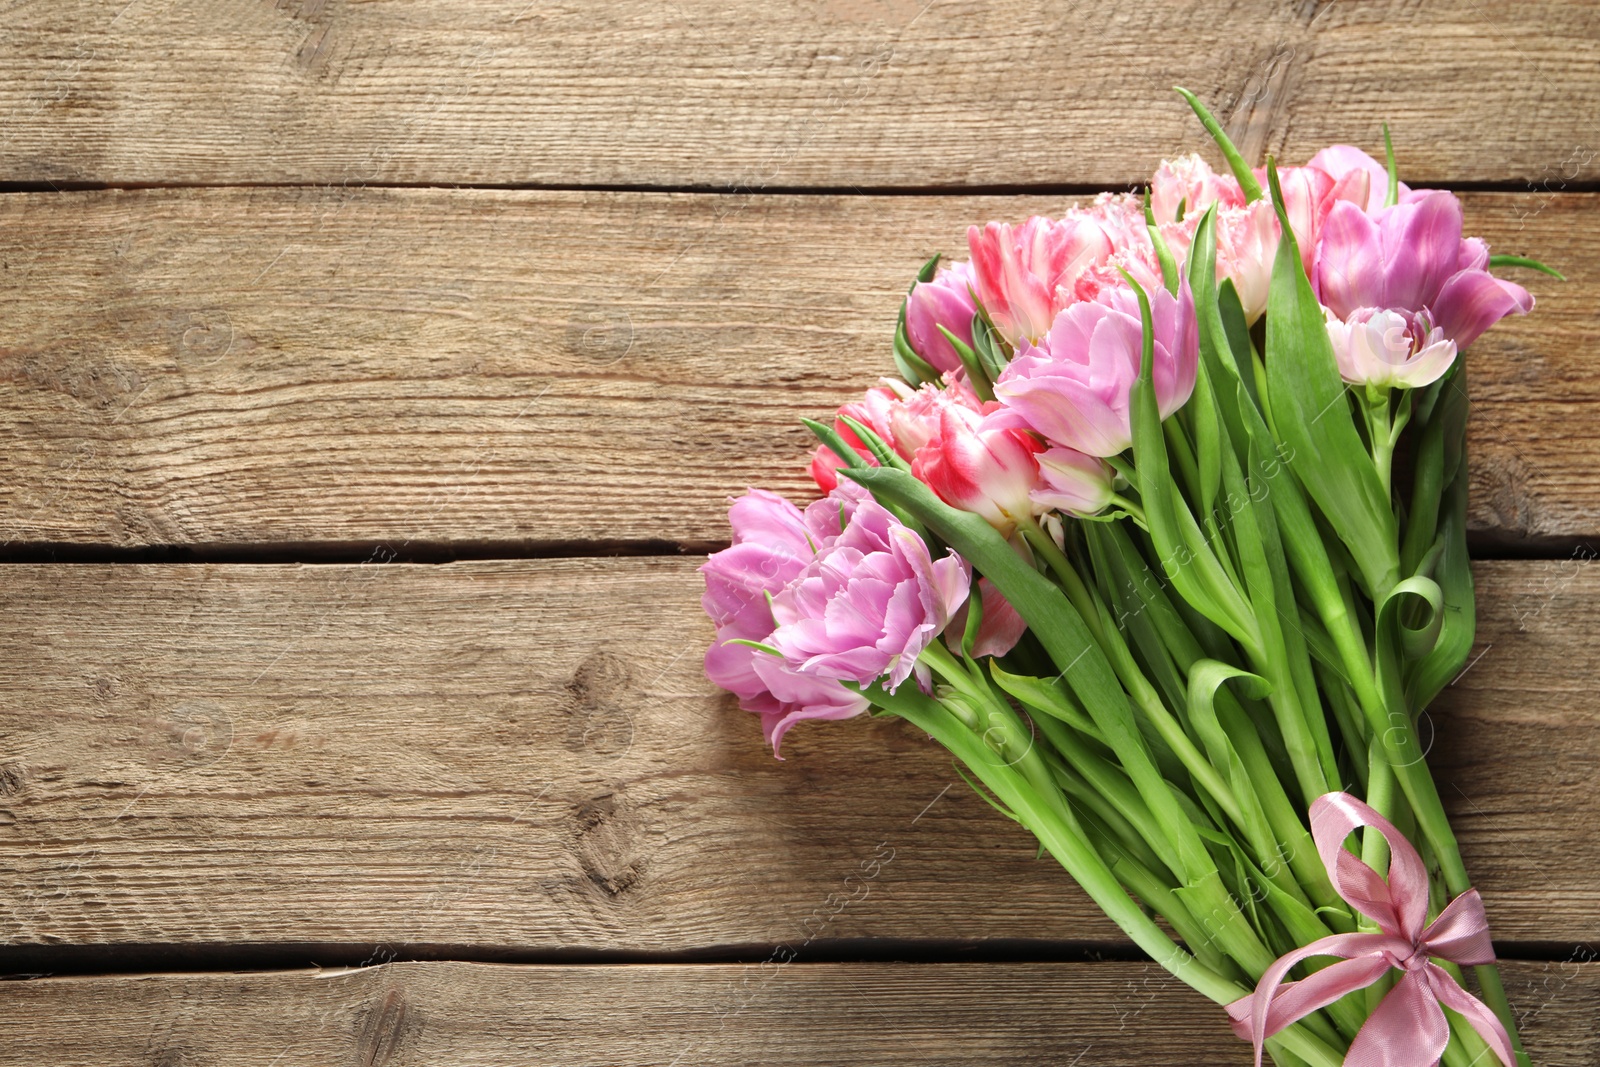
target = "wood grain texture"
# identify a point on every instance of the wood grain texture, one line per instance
(208, 367)
(526, 756)
(804, 1015)
(911, 93)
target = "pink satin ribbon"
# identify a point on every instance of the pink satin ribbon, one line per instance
(1408, 1028)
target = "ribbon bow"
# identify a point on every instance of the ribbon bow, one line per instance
(1408, 1028)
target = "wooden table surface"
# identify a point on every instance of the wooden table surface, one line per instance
(373, 376)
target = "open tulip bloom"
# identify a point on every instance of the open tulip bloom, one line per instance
(1125, 537)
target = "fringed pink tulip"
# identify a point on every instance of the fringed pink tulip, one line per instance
(945, 301)
(825, 467)
(1389, 349)
(1247, 244)
(773, 542)
(1190, 182)
(1072, 482)
(976, 466)
(874, 411)
(1023, 271)
(999, 629)
(1073, 387)
(1247, 237)
(1411, 258)
(915, 421)
(868, 603)
(906, 419)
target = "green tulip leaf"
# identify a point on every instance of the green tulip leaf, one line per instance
(1311, 415)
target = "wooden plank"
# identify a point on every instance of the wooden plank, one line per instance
(800, 1014)
(515, 369)
(775, 94)
(527, 756)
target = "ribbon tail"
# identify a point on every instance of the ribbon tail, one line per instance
(1408, 1028)
(1475, 1011)
(1295, 1000)
(1251, 1013)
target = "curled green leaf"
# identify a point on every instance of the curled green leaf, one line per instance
(1236, 163)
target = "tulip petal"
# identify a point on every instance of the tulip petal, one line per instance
(1421, 246)
(1350, 265)
(1341, 160)
(1474, 300)
(998, 631)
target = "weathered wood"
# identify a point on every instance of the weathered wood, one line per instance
(349, 366)
(526, 755)
(653, 1015)
(780, 94)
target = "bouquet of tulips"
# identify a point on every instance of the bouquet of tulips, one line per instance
(1129, 538)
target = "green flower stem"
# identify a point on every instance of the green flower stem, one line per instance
(1120, 830)
(1167, 727)
(1468, 1049)
(1158, 894)
(1381, 433)
(1114, 786)
(1202, 882)
(1065, 573)
(1139, 688)
(1375, 850)
(1180, 449)
(1068, 847)
(1000, 727)
(1103, 784)
(1073, 852)
(1069, 643)
(1133, 510)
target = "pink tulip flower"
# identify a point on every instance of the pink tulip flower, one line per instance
(945, 301)
(825, 466)
(772, 544)
(868, 603)
(1073, 387)
(906, 419)
(1072, 482)
(1472, 299)
(874, 411)
(998, 631)
(1121, 217)
(915, 421)
(1358, 178)
(1247, 236)
(1247, 245)
(986, 469)
(1025, 274)
(1411, 258)
(1389, 349)
(1189, 181)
